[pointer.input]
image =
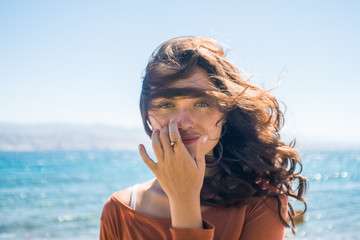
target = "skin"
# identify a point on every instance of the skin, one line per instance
(180, 170)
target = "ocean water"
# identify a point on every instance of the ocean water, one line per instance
(60, 195)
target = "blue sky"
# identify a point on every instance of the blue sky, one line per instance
(82, 61)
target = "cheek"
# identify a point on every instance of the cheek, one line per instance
(157, 121)
(214, 134)
(215, 126)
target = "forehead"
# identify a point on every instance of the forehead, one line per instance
(199, 79)
(196, 85)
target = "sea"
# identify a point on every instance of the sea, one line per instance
(60, 194)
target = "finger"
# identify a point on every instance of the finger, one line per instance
(175, 135)
(200, 152)
(157, 145)
(165, 141)
(147, 160)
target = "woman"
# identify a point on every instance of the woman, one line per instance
(221, 170)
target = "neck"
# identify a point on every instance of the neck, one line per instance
(156, 188)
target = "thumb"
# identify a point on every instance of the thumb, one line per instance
(200, 152)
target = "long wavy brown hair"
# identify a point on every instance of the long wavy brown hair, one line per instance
(250, 153)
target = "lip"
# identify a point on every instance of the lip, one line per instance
(189, 139)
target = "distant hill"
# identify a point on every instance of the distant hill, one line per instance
(42, 137)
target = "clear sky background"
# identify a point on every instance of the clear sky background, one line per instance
(81, 62)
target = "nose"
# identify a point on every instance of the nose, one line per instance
(184, 119)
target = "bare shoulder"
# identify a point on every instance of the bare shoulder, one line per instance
(124, 195)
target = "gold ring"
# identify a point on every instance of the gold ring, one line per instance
(174, 142)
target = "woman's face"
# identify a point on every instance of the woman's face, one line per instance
(195, 116)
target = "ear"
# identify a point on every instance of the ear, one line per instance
(224, 119)
(223, 128)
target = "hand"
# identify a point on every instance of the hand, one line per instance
(178, 173)
(180, 176)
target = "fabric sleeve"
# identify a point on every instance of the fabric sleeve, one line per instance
(108, 222)
(199, 234)
(262, 220)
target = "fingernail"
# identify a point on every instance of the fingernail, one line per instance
(205, 139)
(141, 147)
(156, 131)
(172, 120)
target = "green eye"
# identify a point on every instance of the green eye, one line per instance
(167, 105)
(202, 104)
